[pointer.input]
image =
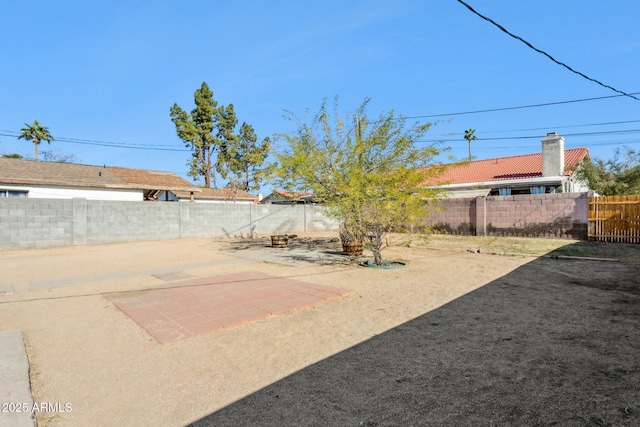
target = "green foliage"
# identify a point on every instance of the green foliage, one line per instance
(366, 172)
(615, 177)
(12, 156)
(209, 131)
(196, 130)
(35, 133)
(244, 160)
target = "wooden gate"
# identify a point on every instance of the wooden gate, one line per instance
(614, 219)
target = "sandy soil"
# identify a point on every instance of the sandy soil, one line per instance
(85, 352)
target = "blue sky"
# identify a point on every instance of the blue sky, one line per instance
(110, 71)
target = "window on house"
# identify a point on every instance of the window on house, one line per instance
(12, 193)
(540, 189)
(504, 191)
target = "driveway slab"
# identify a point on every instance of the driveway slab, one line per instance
(15, 389)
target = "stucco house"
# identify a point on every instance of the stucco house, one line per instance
(550, 171)
(49, 180)
(208, 195)
(280, 197)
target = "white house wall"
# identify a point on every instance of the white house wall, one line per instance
(37, 192)
(233, 202)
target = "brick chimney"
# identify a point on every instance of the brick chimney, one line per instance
(552, 155)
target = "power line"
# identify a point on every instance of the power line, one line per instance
(171, 147)
(511, 138)
(545, 53)
(532, 146)
(132, 146)
(546, 104)
(612, 132)
(561, 127)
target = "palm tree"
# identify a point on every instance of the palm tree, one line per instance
(36, 133)
(470, 135)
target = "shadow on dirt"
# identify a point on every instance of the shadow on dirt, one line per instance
(300, 251)
(555, 342)
(311, 243)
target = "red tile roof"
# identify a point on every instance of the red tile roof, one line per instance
(504, 168)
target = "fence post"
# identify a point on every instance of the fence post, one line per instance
(481, 216)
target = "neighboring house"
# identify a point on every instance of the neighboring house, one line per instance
(279, 197)
(548, 172)
(49, 180)
(209, 195)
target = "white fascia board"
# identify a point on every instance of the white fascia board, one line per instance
(43, 192)
(550, 180)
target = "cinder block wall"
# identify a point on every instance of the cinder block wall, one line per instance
(41, 223)
(562, 215)
(112, 221)
(35, 223)
(453, 216)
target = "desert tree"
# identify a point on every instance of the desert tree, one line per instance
(35, 133)
(617, 176)
(367, 173)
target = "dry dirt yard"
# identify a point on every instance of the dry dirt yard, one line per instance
(474, 331)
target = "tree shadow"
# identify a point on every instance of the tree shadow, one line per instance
(554, 342)
(300, 250)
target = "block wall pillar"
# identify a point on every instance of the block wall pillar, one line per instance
(481, 216)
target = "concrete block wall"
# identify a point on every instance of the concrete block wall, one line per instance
(35, 223)
(453, 216)
(563, 215)
(115, 221)
(214, 220)
(40, 223)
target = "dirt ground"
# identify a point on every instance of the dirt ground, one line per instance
(475, 331)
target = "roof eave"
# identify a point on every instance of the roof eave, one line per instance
(143, 187)
(550, 180)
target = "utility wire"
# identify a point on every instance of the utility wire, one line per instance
(560, 127)
(545, 53)
(511, 138)
(131, 146)
(172, 147)
(546, 104)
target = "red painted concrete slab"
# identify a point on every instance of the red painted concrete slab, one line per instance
(199, 306)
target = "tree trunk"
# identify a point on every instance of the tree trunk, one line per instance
(375, 240)
(207, 175)
(35, 147)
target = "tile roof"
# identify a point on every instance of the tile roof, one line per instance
(217, 194)
(504, 168)
(30, 172)
(278, 196)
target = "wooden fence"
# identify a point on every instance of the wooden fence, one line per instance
(614, 219)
